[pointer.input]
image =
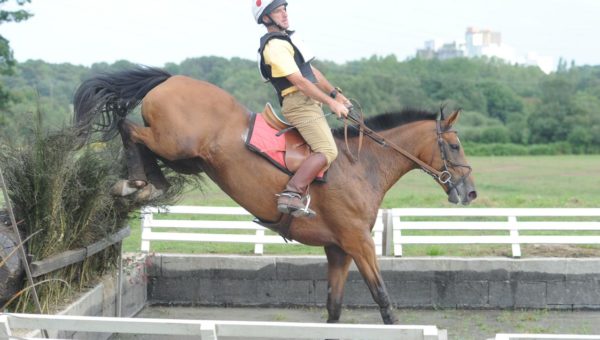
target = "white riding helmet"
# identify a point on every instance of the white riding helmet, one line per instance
(262, 7)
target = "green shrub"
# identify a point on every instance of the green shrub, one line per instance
(61, 193)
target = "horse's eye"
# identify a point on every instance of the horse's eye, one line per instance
(455, 147)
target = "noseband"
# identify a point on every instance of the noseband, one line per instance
(444, 176)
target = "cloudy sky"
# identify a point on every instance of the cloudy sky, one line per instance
(154, 32)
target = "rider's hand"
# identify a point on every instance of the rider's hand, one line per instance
(340, 98)
(338, 108)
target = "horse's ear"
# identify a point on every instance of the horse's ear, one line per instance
(454, 117)
(441, 114)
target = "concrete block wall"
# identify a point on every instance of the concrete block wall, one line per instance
(554, 283)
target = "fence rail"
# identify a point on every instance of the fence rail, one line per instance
(150, 223)
(214, 330)
(513, 223)
(390, 227)
(545, 337)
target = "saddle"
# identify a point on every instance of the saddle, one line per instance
(277, 141)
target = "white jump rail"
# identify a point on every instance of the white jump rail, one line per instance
(214, 330)
(150, 223)
(512, 225)
(545, 337)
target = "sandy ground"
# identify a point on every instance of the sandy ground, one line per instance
(460, 324)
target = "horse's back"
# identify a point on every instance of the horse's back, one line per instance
(185, 92)
(187, 113)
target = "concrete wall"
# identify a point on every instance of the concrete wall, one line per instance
(554, 283)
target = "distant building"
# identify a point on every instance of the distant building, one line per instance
(482, 43)
(434, 49)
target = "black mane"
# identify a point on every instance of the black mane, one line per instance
(388, 121)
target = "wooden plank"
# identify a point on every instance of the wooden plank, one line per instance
(246, 329)
(537, 239)
(55, 262)
(110, 240)
(498, 212)
(222, 238)
(496, 225)
(4, 327)
(199, 210)
(546, 336)
(105, 324)
(69, 257)
(204, 224)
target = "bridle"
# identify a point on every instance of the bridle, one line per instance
(447, 161)
(444, 176)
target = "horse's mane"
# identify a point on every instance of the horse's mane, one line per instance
(388, 121)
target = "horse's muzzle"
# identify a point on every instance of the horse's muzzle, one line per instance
(462, 193)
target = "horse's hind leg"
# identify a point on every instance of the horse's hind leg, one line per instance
(153, 172)
(140, 160)
(338, 264)
(157, 183)
(362, 251)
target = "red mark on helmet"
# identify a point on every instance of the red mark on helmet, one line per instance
(258, 3)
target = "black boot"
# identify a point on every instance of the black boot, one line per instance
(292, 199)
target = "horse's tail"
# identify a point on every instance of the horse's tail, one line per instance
(103, 100)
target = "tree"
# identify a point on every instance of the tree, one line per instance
(7, 61)
(501, 100)
(6, 58)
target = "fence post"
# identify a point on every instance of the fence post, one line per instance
(4, 328)
(388, 232)
(208, 331)
(397, 236)
(258, 247)
(514, 232)
(146, 219)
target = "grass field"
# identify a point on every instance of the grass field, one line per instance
(510, 182)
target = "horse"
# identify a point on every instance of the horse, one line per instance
(194, 126)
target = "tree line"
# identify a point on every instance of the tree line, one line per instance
(507, 109)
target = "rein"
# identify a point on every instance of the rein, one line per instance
(443, 177)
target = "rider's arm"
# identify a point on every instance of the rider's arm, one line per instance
(311, 90)
(326, 86)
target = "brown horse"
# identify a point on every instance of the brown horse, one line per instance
(194, 126)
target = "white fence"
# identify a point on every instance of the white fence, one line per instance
(512, 224)
(214, 330)
(154, 218)
(390, 226)
(545, 337)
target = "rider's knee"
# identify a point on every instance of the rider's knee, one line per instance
(331, 154)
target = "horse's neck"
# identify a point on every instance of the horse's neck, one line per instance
(393, 165)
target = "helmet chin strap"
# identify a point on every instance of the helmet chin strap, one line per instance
(273, 23)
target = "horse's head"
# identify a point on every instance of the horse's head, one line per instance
(447, 156)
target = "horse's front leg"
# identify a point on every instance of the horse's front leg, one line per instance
(362, 250)
(338, 263)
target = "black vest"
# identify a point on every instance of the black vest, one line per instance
(282, 83)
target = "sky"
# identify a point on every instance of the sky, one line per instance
(155, 32)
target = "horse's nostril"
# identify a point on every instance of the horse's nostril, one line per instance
(472, 195)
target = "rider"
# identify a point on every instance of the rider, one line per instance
(302, 89)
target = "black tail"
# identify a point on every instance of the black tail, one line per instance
(105, 99)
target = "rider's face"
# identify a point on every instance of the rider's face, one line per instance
(280, 16)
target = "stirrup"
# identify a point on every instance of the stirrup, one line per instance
(294, 211)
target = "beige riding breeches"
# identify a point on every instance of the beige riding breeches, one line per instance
(307, 116)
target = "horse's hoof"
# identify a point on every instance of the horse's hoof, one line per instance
(123, 188)
(148, 193)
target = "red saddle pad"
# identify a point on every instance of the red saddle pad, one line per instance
(263, 140)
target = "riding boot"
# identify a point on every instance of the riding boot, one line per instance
(291, 200)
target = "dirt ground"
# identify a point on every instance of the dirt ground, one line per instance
(460, 324)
